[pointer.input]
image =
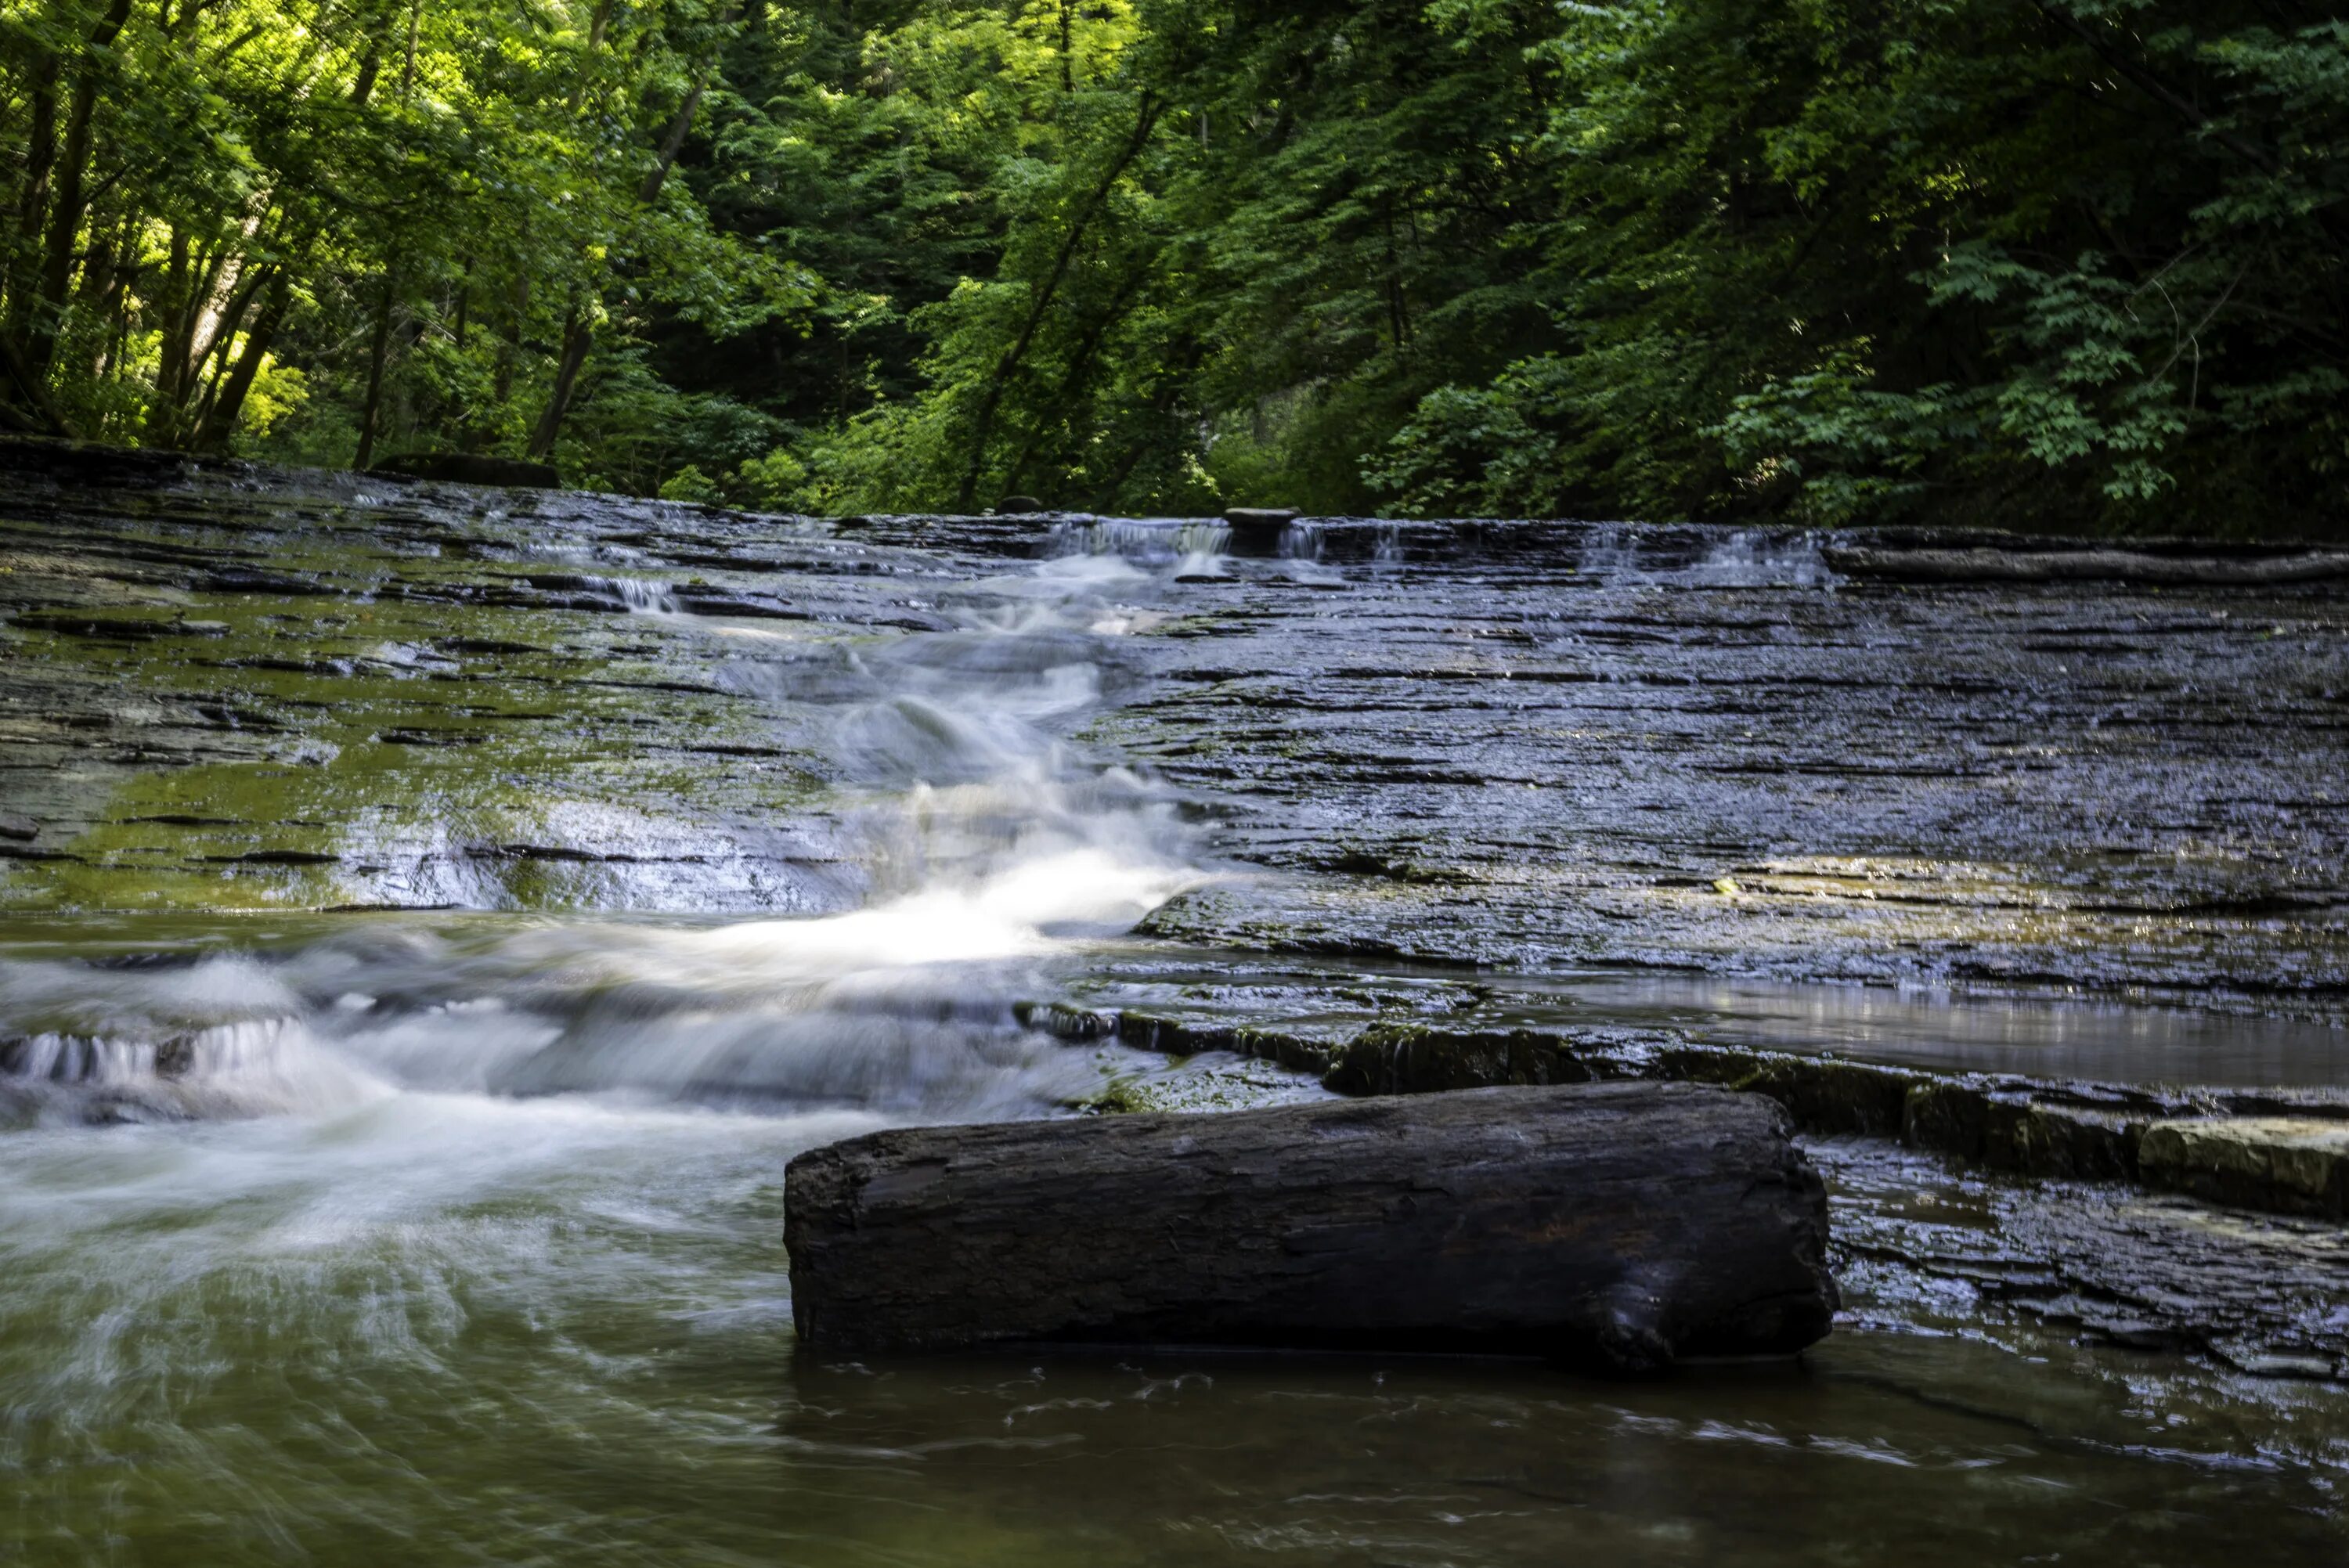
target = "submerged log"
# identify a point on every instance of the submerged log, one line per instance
(1625, 1225)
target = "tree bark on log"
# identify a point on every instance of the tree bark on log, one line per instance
(1625, 1225)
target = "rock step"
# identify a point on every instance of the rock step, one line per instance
(2292, 1165)
(2262, 1151)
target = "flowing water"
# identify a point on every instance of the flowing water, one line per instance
(405, 1235)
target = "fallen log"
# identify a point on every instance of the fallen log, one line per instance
(1624, 1225)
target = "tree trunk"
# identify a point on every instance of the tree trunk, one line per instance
(220, 419)
(189, 284)
(33, 198)
(502, 377)
(44, 415)
(603, 20)
(578, 336)
(1080, 368)
(163, 408)
(672, 141)
(363, 85)
(407, 69)
(1624, 1225)
(244, 288)
(379, 350)
(65, 218)
(105, 285)
(983, 426)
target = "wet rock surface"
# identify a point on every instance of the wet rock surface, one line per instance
(2018, 560)
(1523, 745)
(2290, 1164)
(1686, 764)
(1917, 1240)
(2004, 858)
(230, 688)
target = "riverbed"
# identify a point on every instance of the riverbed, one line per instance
(429, 919)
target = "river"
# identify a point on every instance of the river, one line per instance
(431, 919)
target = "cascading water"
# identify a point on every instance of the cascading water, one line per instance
(1623, 557)
(1195, 549)
(443, 1156)
(644, 598)
(991, 840)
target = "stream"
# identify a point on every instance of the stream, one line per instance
(430, 918)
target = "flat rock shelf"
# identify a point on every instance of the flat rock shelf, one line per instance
(1621, 1226)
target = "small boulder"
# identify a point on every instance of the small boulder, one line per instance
(1260, 518)
(1019, 505)
(2289, 1165)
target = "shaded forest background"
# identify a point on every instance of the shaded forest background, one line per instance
(2074, 264)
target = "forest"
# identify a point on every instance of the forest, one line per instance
(1047, 783)
(2065, 265)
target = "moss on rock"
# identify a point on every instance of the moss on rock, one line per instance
(1418, 1059)
(2296, 1165)
(1822, 1094)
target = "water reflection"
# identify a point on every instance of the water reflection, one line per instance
(1923, 1027)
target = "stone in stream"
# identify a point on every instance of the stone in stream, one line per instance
(2292, 1165)
(1259, 519)
(1621, 1226)
(1019, 505)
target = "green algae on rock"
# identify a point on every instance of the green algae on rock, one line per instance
(2292, 1165)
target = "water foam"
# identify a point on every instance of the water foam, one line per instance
(1627, 557)
(992, 842)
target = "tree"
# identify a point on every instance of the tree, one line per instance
(2069, 263)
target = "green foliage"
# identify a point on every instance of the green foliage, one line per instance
(2072, 264)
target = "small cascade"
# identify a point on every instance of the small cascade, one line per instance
(82, 1059)
(1301, 541)
(1752, 558)
(641, 597)
(1611, 553)
(986, 842)
(253, 1067)
(1624, 556)
(1195, 547)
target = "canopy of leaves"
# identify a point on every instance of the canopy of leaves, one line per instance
(2052, 263)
